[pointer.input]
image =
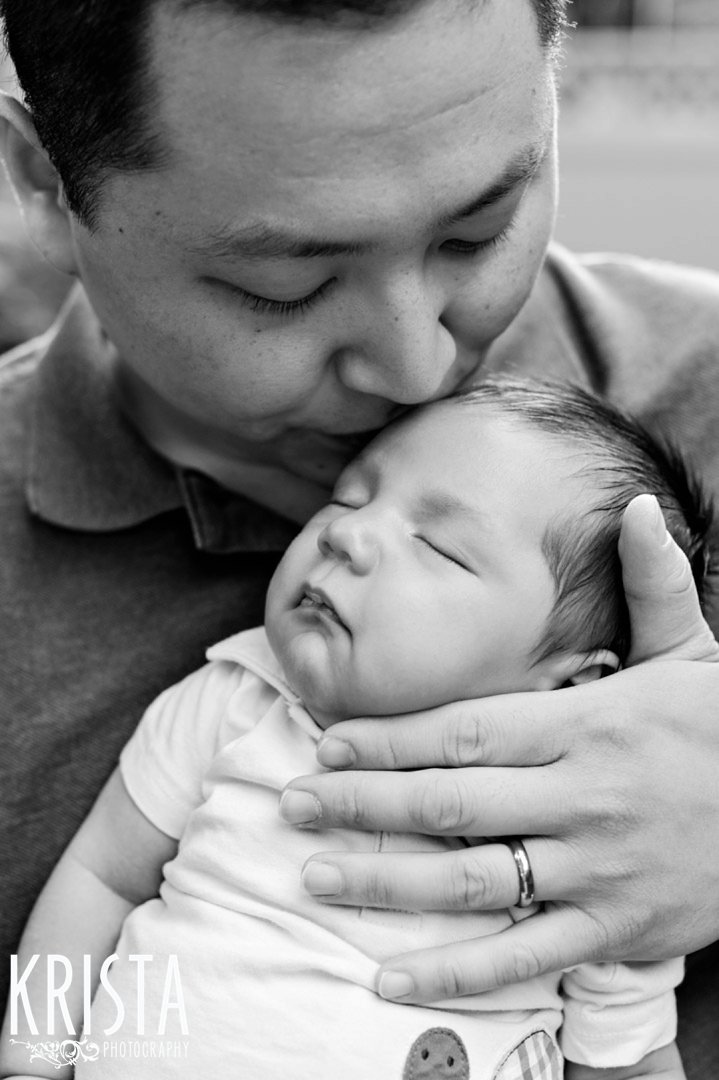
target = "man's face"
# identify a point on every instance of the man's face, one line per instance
(424, 581)
(346, 222)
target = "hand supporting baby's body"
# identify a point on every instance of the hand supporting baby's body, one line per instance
(104, 857)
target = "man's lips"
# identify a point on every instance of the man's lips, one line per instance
(316, 599)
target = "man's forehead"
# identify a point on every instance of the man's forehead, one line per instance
(257, 140)
(290, 67)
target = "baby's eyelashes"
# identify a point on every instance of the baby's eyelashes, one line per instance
(443, 553)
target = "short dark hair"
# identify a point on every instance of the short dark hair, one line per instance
(84, 69)
(620, 459)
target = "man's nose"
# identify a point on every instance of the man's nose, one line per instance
(400, 349)
(349, 541)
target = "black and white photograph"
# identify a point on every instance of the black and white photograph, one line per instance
(359, 539)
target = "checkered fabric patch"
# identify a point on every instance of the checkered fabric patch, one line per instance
(537, 1058)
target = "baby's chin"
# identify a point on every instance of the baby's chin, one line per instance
(326, 710)
(323, 709)
(332, 692)
(324, 704)
(330, 706)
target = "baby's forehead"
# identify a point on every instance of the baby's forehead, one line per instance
(458, 429)
(475, 451)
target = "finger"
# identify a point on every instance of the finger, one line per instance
(441, 802)
(666, 618)
(482, 878)
(511, 729)
(549, 941)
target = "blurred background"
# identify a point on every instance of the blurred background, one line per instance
(639, 148)
(639, 129)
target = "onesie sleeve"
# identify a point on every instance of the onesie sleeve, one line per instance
(164, 762)
(615, 1014)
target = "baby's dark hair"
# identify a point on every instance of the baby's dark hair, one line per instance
(620, 459)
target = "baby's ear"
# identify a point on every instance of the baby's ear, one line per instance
(572, 669)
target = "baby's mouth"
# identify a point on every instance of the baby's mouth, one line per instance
(318, 601)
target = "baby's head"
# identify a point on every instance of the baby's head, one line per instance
(471, 549)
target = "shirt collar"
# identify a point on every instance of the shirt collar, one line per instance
(88, 468)
(252, 651)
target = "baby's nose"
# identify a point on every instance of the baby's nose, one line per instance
(349, 541)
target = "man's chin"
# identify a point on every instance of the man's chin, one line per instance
(314, 454)
(341, 434)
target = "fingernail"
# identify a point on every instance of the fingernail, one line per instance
(395, 984)
(335, 754)
(659, 525)
(299, 807)
(322, 879)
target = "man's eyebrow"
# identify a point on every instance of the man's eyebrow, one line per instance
(519, 172)
(264, 241)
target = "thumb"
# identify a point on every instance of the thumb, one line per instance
(664, 611)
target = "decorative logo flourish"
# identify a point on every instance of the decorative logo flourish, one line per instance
(59, 1054)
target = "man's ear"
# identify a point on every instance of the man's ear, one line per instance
(573, 669)
(37, 186)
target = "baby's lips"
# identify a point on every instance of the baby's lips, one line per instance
(317, 595)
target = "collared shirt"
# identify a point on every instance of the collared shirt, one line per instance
(117, 571)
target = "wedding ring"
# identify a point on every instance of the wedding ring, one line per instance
(524, 870)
